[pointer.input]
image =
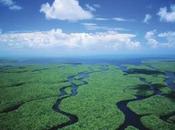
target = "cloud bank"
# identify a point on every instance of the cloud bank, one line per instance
(160, 40)
(109, 40)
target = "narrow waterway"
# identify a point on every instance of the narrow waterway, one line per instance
(74, 91)
(132, 118)
(170, 79)
(63, 95)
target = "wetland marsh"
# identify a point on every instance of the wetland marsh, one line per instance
(101, 96)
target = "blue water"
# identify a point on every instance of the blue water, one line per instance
(114, 60)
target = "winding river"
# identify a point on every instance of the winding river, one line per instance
(132, 118)
(74, 91)
(63, 95)
(170, 79)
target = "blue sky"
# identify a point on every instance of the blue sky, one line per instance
(68, 27)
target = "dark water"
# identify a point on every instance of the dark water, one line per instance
(63, 95)
(74, 91)
(170, 79)
(132, 118)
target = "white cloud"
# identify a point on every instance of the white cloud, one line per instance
(147, 18)
(154, 41)
(90, 8)
(118, 19)
(123, 19)
(167, 16)
(101, 19)
(94, 26)
(96, 5)
(90, 26)
(57, 38)
(151, 38)
(65, 10)
(170, 38)
(11, 4)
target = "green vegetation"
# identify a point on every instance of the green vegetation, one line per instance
(31, 91)
(28, 93)
(153, 122)
(151, 105)
(156, 106)
(131, 128)
(93, 101)
(142, 66)
(35, 115)
(162, 65)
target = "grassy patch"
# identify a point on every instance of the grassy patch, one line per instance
(151, 105)
(153, 122)
(28, 92)
(131, 128)
(162, 65)
(95, 103)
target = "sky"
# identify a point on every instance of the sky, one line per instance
(86, 27)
